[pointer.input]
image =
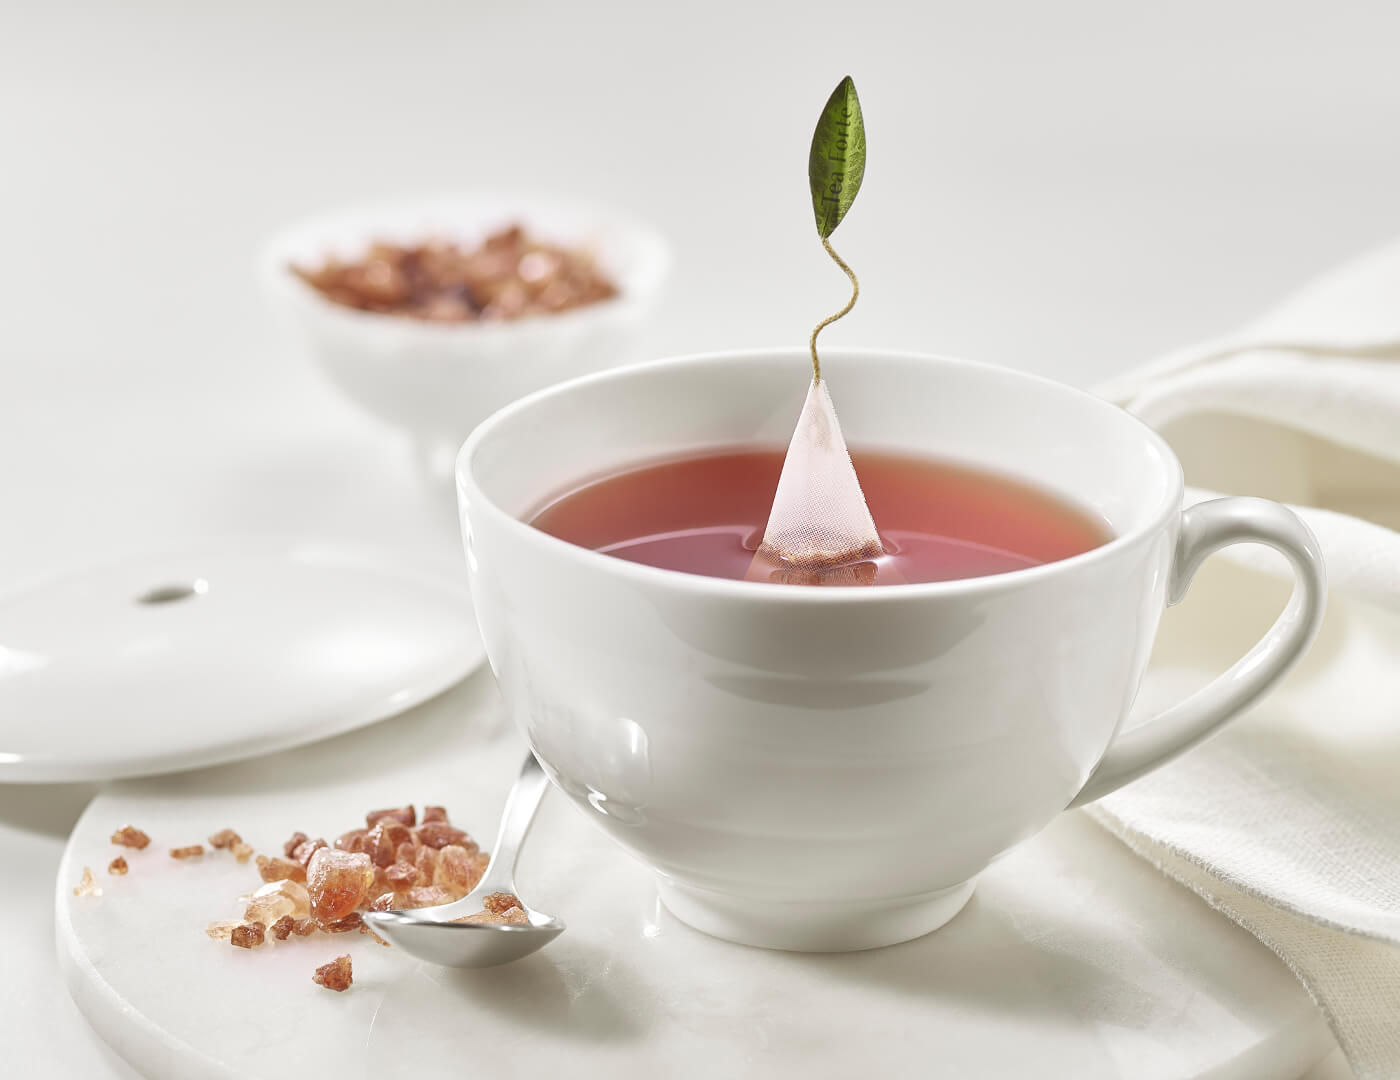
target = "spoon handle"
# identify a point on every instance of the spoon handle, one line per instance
(516, 819)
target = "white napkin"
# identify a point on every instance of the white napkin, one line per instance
(1289, 820)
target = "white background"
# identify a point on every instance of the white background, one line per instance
(1068, 187)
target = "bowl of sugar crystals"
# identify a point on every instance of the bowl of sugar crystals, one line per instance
(432, 314)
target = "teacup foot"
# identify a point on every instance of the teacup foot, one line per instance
(817, 926)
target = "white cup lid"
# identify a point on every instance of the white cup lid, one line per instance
(168, 662)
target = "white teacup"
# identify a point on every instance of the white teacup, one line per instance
(829, 769)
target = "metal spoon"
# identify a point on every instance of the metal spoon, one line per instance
(431, 934)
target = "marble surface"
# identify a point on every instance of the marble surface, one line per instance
(1070, 189)
(1072, 955)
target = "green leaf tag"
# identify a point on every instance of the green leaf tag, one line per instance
(836, 164)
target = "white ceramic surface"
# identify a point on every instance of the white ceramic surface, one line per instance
(184, 659)
(826, 769)
(439, 380)
(1075, 958)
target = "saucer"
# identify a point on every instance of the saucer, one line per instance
(177, 661)
(1073, 958)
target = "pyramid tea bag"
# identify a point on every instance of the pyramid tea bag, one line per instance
(819, 523)
(820, 531)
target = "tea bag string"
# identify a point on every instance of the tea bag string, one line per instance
(855, 293)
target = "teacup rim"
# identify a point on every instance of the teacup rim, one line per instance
(660, 577)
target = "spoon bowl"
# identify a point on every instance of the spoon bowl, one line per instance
(435, 934)
(465, 945)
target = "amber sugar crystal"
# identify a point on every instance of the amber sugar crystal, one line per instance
(189, 852)
(302, 852)
(438, 834)
(497, 909)
(275, 899)
(117, 865)
(273, 868)
(248, 936)
(402, 876)
(130, 836)
(87, 884)
(338, 882)
(384, 840)
(402, 815)
(498, 903)
(224, 838)
(334, 976)
(459, 869)
(425, 896)
(513, 917)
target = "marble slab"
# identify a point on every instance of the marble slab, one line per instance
(1073, 958)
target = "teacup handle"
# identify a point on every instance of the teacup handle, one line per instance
(1206, 528)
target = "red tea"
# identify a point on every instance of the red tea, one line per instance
(706, 514)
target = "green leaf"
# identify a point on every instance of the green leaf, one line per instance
(836, 164)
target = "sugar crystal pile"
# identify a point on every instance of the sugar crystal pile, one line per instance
(392, 863)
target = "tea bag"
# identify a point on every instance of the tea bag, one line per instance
(819, 531)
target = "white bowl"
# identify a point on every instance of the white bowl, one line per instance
(438, 380)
